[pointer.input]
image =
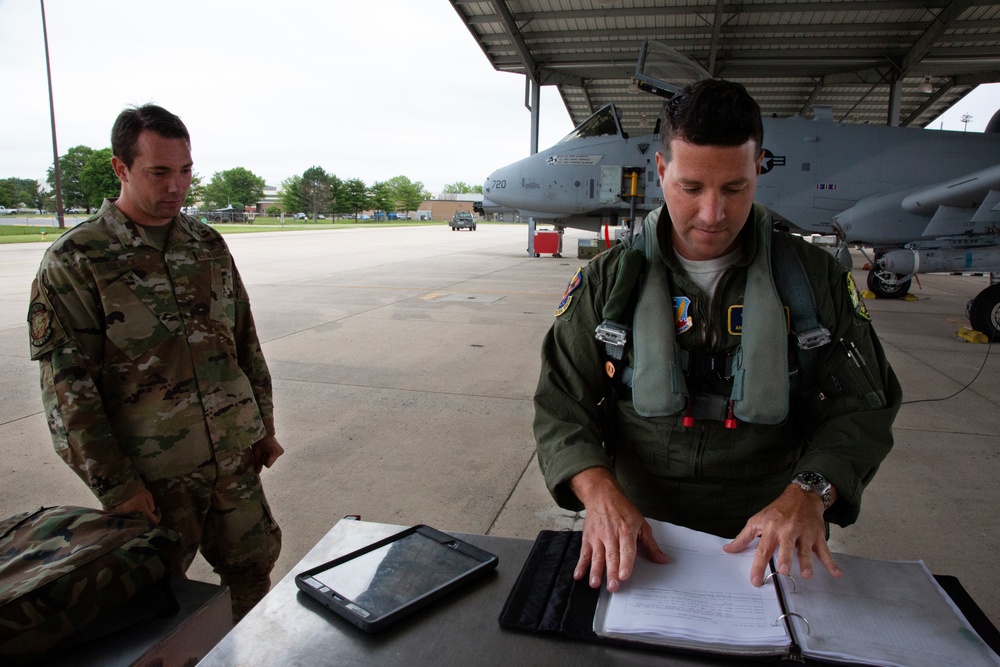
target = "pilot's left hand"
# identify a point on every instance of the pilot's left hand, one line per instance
(792, 524)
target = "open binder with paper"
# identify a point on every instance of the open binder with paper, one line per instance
(878, 613)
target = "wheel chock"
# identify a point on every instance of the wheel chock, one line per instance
(971, 335)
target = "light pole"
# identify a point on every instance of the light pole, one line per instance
(52, 115)
(966, 118)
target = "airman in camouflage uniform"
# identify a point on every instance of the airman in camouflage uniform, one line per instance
(154, 384)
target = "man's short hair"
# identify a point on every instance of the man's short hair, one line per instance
(132, 121)
(711, 112)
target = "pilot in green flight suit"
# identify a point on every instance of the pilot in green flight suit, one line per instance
(711, 428)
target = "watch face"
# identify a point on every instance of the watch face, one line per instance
(812, 479)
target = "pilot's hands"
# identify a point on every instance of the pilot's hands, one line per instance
(612, 530)
(265, 452)
(141, 503)
(793, 522)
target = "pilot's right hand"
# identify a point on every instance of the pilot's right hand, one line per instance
(613, 529)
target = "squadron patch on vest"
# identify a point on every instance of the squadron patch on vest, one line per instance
(40, 324)
(567, 298)
(682, 314)
(860, 309)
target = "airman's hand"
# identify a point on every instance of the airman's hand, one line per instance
(265, 452)
(141, 503)
(793, 525)
(612, 530)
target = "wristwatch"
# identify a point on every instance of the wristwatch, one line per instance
(815, 482)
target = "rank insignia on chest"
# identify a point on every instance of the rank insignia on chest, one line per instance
(567, 297)
(40, 323)
(682, 314)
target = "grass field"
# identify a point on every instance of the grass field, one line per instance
(10, 233)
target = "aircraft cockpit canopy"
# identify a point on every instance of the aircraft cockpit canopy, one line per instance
(603, 123)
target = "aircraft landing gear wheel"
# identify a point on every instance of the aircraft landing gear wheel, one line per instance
(537, 255)
(984, 312)
(885, 290)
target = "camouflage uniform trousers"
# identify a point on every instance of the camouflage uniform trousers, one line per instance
(221, 509)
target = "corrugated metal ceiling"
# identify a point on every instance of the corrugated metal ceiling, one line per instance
(853, 56)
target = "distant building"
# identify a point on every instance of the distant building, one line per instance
(445, 205)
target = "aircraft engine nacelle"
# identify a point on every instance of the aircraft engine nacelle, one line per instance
(907, 261)
(880, 221)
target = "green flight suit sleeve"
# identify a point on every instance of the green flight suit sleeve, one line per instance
(570, 386)
(67, 330)
(848, 416)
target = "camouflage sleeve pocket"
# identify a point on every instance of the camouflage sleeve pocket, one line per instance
(129, 322)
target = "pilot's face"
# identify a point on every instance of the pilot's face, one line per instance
(709, 192)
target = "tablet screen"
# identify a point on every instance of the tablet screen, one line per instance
(393, 575)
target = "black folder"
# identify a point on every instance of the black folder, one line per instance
(546, 599)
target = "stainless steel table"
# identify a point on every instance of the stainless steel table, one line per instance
(288, 628)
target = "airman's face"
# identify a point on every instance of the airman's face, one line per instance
(155, 186)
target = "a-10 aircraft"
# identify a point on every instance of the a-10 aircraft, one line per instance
(926, 201)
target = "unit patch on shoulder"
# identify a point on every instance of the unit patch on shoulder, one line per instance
(860, 309)
(682, 314)
(39, 323)
(567, 297)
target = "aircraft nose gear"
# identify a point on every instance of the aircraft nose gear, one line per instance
(885, 284)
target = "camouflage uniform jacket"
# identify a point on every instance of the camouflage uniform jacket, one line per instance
(149, 359)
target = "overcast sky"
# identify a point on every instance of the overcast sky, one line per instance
(367, 89)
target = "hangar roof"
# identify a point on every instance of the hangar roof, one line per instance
(791, 55)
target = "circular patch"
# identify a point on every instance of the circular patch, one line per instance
(39, 323)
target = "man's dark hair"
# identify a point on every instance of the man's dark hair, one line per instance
(712, 112)
(132, 121)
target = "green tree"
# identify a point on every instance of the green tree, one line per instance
(236, 187)
(408, 195)
(18, 192)
(196, 192)
(318, 191)
(354, 196)
(70, 166)
(462, 188)
(289, 197)
(98, 180)
(382, 197)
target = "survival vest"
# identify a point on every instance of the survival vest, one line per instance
(795, 293)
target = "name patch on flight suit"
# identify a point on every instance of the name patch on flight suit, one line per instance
(567, 298)
(860, 309)
(735, 319)
(682, 314)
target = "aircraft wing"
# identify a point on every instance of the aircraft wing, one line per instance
(969, 204)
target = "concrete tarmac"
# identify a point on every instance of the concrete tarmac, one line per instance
(404, 362)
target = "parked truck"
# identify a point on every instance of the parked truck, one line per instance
(7, 211)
